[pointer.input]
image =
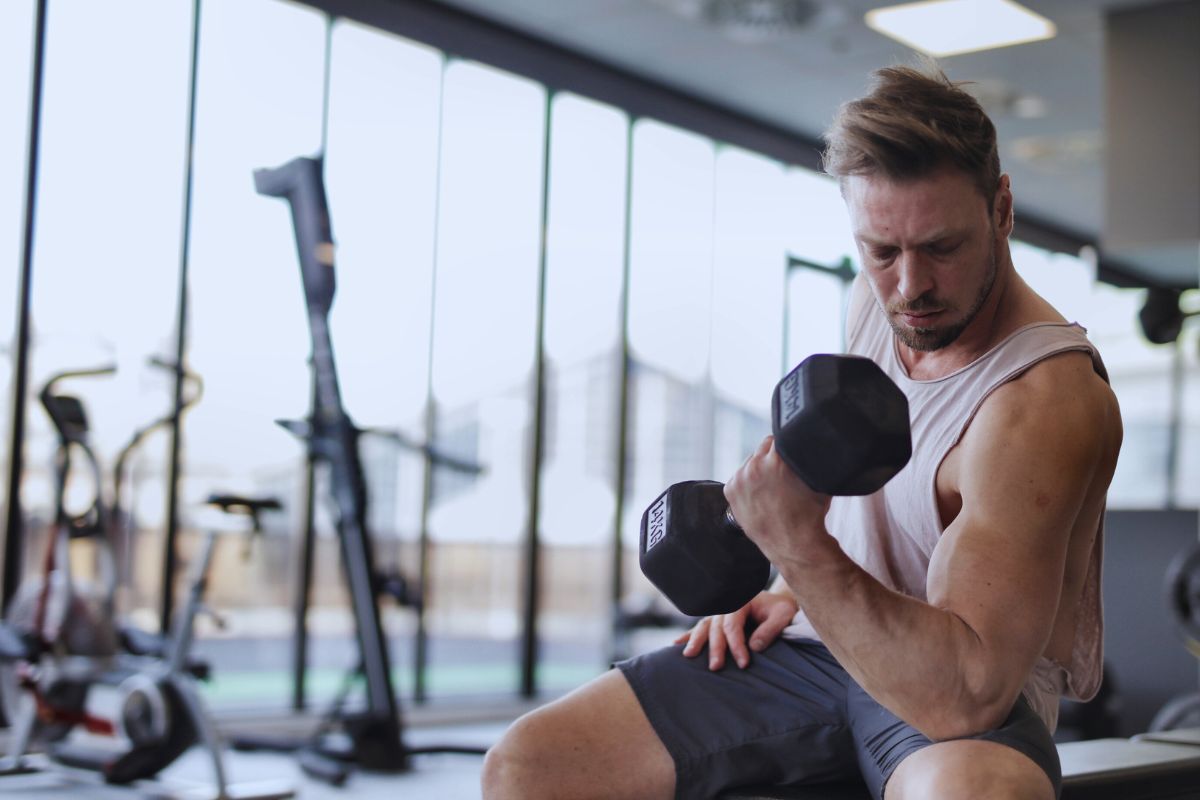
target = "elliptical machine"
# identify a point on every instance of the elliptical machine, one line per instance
(62, 641)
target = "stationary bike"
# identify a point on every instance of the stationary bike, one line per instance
(61, 643)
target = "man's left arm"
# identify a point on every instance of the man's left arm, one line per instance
(952, 665)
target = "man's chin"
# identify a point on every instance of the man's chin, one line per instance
(924, 340)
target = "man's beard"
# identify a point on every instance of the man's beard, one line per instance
(929, 339)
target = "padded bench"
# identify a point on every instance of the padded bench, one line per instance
(1157, 767)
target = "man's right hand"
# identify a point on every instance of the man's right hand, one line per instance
(771, 611)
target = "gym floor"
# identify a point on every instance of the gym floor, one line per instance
(445, 777)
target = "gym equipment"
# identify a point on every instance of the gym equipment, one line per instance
(1181, 591)
(840, 424)
(61, 643)
(375, 734)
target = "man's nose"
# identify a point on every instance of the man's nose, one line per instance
(915, 277)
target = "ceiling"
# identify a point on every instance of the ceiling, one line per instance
(1046, 98)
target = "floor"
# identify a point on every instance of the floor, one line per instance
(443, 777)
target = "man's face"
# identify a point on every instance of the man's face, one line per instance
(929, 250)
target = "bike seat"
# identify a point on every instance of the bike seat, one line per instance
(239, 504)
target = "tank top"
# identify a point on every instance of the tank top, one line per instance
(891, 533)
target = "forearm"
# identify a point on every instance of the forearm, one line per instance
(923, 663)
(779, 586)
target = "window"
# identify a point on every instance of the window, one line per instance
(257, 106)
(485, 311)
(106, 255)
(381, 174)
(1140, 373)
(749, 266)
(585, 263)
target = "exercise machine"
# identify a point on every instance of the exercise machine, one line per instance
(62, 644)
(1181, 590)
(374, 733)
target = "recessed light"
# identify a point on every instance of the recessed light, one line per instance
(950, 27)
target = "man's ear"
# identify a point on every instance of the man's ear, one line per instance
(1002, 207)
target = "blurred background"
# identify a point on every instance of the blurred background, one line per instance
(577, 243)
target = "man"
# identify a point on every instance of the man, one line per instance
(921, 636)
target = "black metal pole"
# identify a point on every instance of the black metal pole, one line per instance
(421, 635)
(167, 600)
(533, 539)
(617, 582)
(13, 534)
(303, 593)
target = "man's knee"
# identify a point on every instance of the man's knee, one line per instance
(595, 742)
(969, 769)
(511, 766)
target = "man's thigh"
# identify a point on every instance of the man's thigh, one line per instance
(1019, 754)
(781, 720)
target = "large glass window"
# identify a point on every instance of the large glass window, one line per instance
(585, 258)
(381, 172)
(749, 266)
(671, 266)
(1140, 372)
(485, 312)
(106, 256)
(259, 104)
(820, 242)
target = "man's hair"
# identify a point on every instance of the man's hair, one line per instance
(915, 121)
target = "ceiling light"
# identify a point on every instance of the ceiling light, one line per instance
(950, 27)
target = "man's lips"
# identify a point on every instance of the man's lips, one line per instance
(918, 319)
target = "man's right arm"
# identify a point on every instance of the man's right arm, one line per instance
(770, 608)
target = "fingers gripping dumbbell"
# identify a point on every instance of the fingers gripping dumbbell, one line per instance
(840, 424)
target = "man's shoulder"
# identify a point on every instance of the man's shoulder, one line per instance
(1062, 397)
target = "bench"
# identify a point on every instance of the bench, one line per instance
(1147, 767)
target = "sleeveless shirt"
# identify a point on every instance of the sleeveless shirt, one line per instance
(891, 533)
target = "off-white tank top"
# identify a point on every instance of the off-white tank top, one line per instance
(891, 534)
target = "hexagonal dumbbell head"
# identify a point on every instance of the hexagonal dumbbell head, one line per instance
(841, 424)
(695, 554)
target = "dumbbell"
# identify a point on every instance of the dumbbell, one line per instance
(840, 423)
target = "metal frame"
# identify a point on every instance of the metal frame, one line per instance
(13, 534)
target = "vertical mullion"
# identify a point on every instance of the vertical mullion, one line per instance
(171, 534)
(13, 534)
(533, 550)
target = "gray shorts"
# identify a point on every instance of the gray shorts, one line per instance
(793, 716)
